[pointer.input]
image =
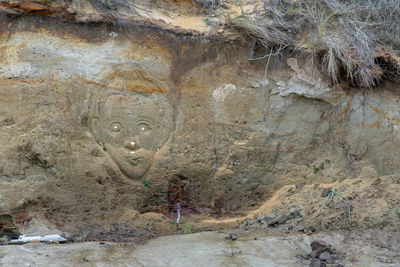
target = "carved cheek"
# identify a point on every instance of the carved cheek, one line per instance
(96, 128)
(145, 141)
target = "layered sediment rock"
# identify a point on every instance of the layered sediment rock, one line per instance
(96, 119)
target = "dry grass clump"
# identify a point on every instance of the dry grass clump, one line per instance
(339, 36)
(115, 10)
(208, 3)
(111, 6)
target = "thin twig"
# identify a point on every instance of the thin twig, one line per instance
(277, 53)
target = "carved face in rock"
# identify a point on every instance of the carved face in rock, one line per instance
(131, 127)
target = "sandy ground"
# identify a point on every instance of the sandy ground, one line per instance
(201, 249)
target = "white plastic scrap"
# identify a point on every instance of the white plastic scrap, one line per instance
(178, 208)
(46, 238)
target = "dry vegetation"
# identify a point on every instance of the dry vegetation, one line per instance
(341, 37)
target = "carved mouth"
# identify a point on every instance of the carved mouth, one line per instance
(134, 161)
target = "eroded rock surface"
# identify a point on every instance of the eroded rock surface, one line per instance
(203, 249)
(98, 122)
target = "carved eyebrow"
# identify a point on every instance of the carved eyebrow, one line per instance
(145, 119)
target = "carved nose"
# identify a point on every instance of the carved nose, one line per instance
(132, 145)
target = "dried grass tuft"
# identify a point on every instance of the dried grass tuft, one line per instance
(340, 36)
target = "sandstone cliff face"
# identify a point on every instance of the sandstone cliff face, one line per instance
(96, 120)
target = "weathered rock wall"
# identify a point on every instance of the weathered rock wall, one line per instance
(95, 120)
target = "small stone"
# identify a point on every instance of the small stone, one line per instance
(232, 237)
(294, 213)
(328, 257)
(67, 235)
(309, 230)
(325, 192)
(269, 216)
(303, 256)
(236, 251)
(316, 263)
(280, 220)
(319, 246)
(245, 223)
(260, 218)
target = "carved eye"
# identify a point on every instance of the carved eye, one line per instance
(116, 127)
(144, 127)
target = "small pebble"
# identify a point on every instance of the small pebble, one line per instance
(232, 237)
